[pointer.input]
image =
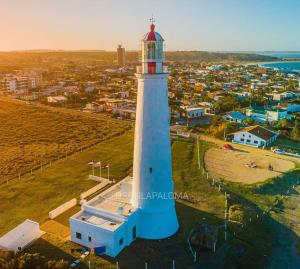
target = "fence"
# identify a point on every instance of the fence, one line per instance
(62, 208)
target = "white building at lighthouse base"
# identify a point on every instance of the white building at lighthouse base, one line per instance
(108, 222)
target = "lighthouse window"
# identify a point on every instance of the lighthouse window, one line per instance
(159, 51)
(121, 241)
(134, 232)
(150, 170)
(151, 51)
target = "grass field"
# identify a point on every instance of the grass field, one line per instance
(207, 206)
(58, 183)
(31, 135)
(252, 242)
(286, 144)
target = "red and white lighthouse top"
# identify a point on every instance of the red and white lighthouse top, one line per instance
(152, 35)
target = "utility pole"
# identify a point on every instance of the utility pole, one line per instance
(198, 148)
(225, 217)
(100, 167)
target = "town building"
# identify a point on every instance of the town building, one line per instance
(15, 84)
(143, 205)
(56, 99)
(256, 136)
(194, 112)
(121, 56)
(127, 111)
(235, 116)
(267, 114)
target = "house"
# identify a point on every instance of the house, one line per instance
(56, 99)
(94, 107)
(267, 114)
(126, 111)
(255, 136)
(282, 96)
(235, 116)
(193, 112)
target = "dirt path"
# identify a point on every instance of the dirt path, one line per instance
(248, 149)
(235, 165)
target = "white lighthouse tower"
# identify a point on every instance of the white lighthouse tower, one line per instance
(152, 190)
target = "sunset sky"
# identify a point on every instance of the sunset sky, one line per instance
(214, 25)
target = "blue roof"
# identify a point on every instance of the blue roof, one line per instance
(237, 115)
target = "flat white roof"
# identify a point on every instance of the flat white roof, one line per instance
(97, 220)
(113, 199)
(107, 210)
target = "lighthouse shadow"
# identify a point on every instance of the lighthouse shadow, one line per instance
(160, 254)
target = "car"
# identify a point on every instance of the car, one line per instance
(227, 146)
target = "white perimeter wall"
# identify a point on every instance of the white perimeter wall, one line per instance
(62, 208)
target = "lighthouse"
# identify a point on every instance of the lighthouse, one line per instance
(152, 187)
(141, 205)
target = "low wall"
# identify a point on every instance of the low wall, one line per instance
(93, 190)
(62, 208)
(99, 179)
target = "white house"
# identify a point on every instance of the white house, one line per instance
(94, 107)
(235, 116)
(263, 115)
(255, 136)
(194, 112)
(108, 222)
(126, 111)
(21, 236)
(56, 99)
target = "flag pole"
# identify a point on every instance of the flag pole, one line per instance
(108, 171)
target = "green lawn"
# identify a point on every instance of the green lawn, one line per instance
(35, 195)
(285, 143)
(250, 245)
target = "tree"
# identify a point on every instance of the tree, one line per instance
(31, 261)
(295, 134)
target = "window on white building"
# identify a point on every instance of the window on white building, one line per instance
(78, 235)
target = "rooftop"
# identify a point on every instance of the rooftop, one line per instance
(115, 200)
(259, 131)
(100, 221)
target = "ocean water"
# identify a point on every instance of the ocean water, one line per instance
(282, 54)
(285, 66)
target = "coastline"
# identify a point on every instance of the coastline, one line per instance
(272, 62)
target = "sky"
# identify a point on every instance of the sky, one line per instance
(210, 25)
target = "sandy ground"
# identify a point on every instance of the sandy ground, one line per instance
(233, 165)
